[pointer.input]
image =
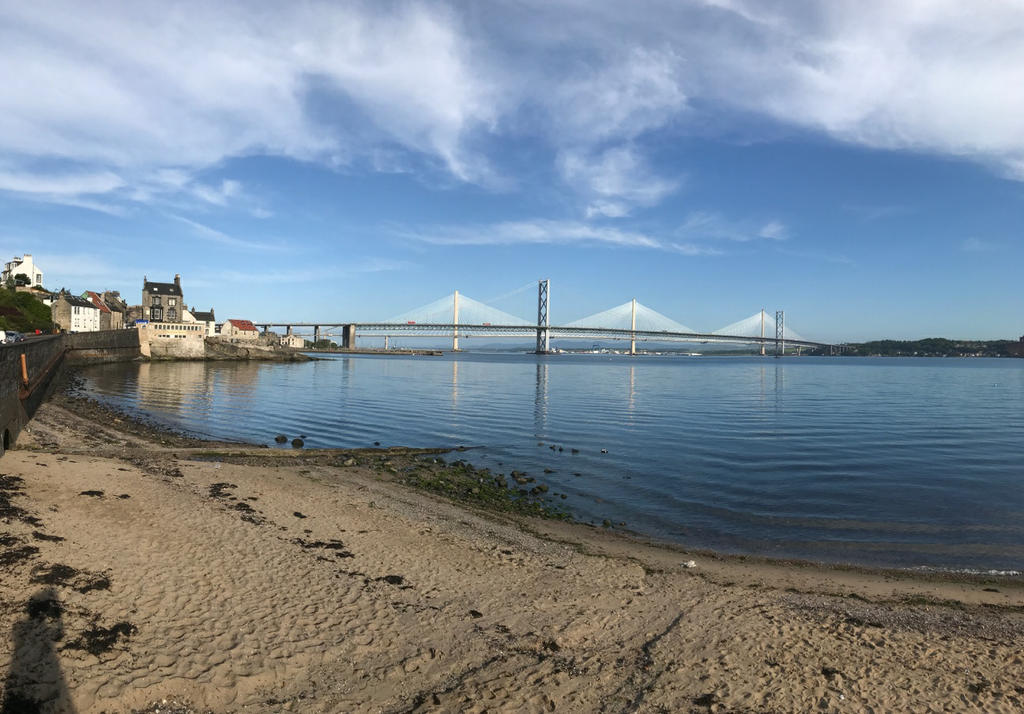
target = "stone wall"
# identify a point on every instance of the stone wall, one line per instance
(183, 340)
(18, 402)
(104, 346)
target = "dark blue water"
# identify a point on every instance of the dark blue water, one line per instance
(894, 462)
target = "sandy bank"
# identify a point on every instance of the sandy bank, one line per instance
(139, 566)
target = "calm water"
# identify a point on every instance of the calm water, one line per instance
(903, 462)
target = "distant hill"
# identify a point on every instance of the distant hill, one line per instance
(23, 312)
(937, 347)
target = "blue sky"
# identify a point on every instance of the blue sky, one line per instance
(858, 164)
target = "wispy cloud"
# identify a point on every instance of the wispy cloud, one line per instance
(540, 231)
(977, 245)
(614, 180)
(216, 236)
(707, 225)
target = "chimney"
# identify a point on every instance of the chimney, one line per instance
(177, 280)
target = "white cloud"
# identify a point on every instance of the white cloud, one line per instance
(215, 236)
(64, 184)
(142, 98)
(614, 180)
(773, 230)
(539, 232)
(708, 225)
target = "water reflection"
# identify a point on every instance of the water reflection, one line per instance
(540, 399)
(455, 384)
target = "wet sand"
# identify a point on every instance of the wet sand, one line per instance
(139, 567)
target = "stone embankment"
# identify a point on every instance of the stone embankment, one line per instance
(27, 368)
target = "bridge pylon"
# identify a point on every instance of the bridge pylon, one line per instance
(632, 329)
(455, 322)
(780, 333)
(543, 317)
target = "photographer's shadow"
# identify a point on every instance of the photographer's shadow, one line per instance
(35, 682)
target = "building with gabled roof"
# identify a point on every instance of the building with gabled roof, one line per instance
(162, 302)
(239, 330)
(207, 319)
(106, 314)
(74, 314)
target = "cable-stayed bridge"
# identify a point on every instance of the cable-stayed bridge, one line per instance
(460, 316)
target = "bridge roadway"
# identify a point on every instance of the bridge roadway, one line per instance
(486, 330)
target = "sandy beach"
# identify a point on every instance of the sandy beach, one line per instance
(144, 571)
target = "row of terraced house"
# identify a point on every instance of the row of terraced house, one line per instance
(162, 306)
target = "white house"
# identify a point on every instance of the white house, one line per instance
(206, 319)
(23, 265)
(75, 314)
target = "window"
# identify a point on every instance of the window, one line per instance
(172, 301)
(157, 313)
(155, 300)
(172, 314)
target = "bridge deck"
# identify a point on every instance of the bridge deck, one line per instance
(486, 330)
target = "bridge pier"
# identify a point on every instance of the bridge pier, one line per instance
(316, 334)
(288, 330)
(348, 337)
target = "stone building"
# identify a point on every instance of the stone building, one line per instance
(162, 302)
(118, 309)
(239, 330)
(74, 314)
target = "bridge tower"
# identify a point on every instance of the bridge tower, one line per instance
(543, 318)
(455, 321)
(632, 329)
(780, 335)
(762, 332)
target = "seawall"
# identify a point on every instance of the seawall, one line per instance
(28, 368)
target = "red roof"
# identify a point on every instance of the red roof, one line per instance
(245, 325)
(97, 301)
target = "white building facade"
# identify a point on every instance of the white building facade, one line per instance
(26, 265)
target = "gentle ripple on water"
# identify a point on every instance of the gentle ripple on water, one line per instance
(901, 462)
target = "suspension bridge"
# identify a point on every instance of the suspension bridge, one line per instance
(459, 316)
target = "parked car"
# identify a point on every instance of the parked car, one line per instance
(11, 336)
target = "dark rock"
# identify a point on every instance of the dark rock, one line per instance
(95, 494)
(475, 614)
(298, 443)
(298, 515)
(280, 438)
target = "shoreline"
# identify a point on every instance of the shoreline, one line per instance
(66, 392)
(145, 565)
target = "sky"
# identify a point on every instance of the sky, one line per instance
(857, 163)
